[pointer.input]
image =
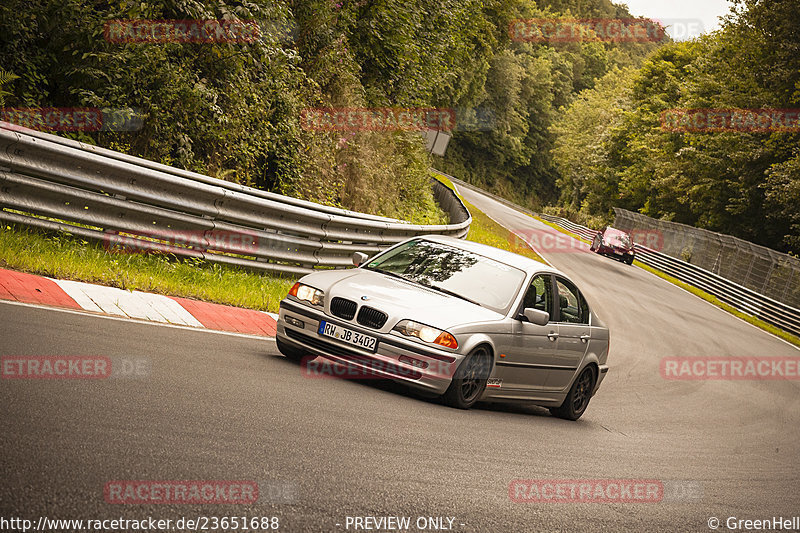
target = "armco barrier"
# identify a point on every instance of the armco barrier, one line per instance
(53, 183)
(760, 269)
(746, 300)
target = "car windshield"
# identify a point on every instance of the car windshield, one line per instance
(621, 237)
(453, 271)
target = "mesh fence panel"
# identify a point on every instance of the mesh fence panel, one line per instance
(765, 271)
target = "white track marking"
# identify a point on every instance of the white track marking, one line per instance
(137, 321)
(131, 304)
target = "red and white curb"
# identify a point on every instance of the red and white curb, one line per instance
(32, 289)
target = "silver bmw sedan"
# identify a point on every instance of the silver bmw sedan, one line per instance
(459, 319)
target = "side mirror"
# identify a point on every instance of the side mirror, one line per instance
(359, 258)
(535, 316)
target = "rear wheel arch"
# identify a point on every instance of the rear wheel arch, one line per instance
(579, 394)
(594, 365)
(595, 369)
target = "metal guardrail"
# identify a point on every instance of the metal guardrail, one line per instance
(746, 300)
(582, 231)
(135, 205)
(758, 268)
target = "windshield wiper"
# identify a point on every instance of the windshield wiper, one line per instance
(451, 293)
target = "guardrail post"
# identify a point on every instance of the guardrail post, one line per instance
(749, 270)
(788, 284)
(717, 261)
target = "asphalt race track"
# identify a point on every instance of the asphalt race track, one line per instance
(220, 407)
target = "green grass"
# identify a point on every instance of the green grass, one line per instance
(64, 256)
(444, 179)
(699, 293)
(484, 230)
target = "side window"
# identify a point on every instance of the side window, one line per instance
(539, 294)
(571, 304)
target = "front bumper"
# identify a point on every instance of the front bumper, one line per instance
(395, 358)
(619, 253)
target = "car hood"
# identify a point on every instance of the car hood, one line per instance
(398, 298)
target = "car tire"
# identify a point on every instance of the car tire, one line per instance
(577, 399)
(292, 353)
(470, 379)
(629, 260)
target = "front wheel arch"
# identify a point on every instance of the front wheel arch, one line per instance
(465, 390)
(490, 349)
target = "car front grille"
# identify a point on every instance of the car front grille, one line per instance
(372, 318)
(343, 308)
(351, 356)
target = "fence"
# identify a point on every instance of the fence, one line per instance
(760, 269)
(749, 301)
(746, 300)
(53, 183)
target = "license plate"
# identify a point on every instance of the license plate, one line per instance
(349, 336)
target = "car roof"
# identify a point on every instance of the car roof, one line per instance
(510, 258)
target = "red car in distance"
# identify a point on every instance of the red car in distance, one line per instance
(614, 243)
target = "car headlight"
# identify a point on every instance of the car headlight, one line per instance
(426, 333)
(308, 294)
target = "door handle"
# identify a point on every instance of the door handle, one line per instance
(585, 338)
(552, 335)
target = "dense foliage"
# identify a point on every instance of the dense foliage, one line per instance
(233, 109)
(612, 151)
(527, 83)
(567, 123)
